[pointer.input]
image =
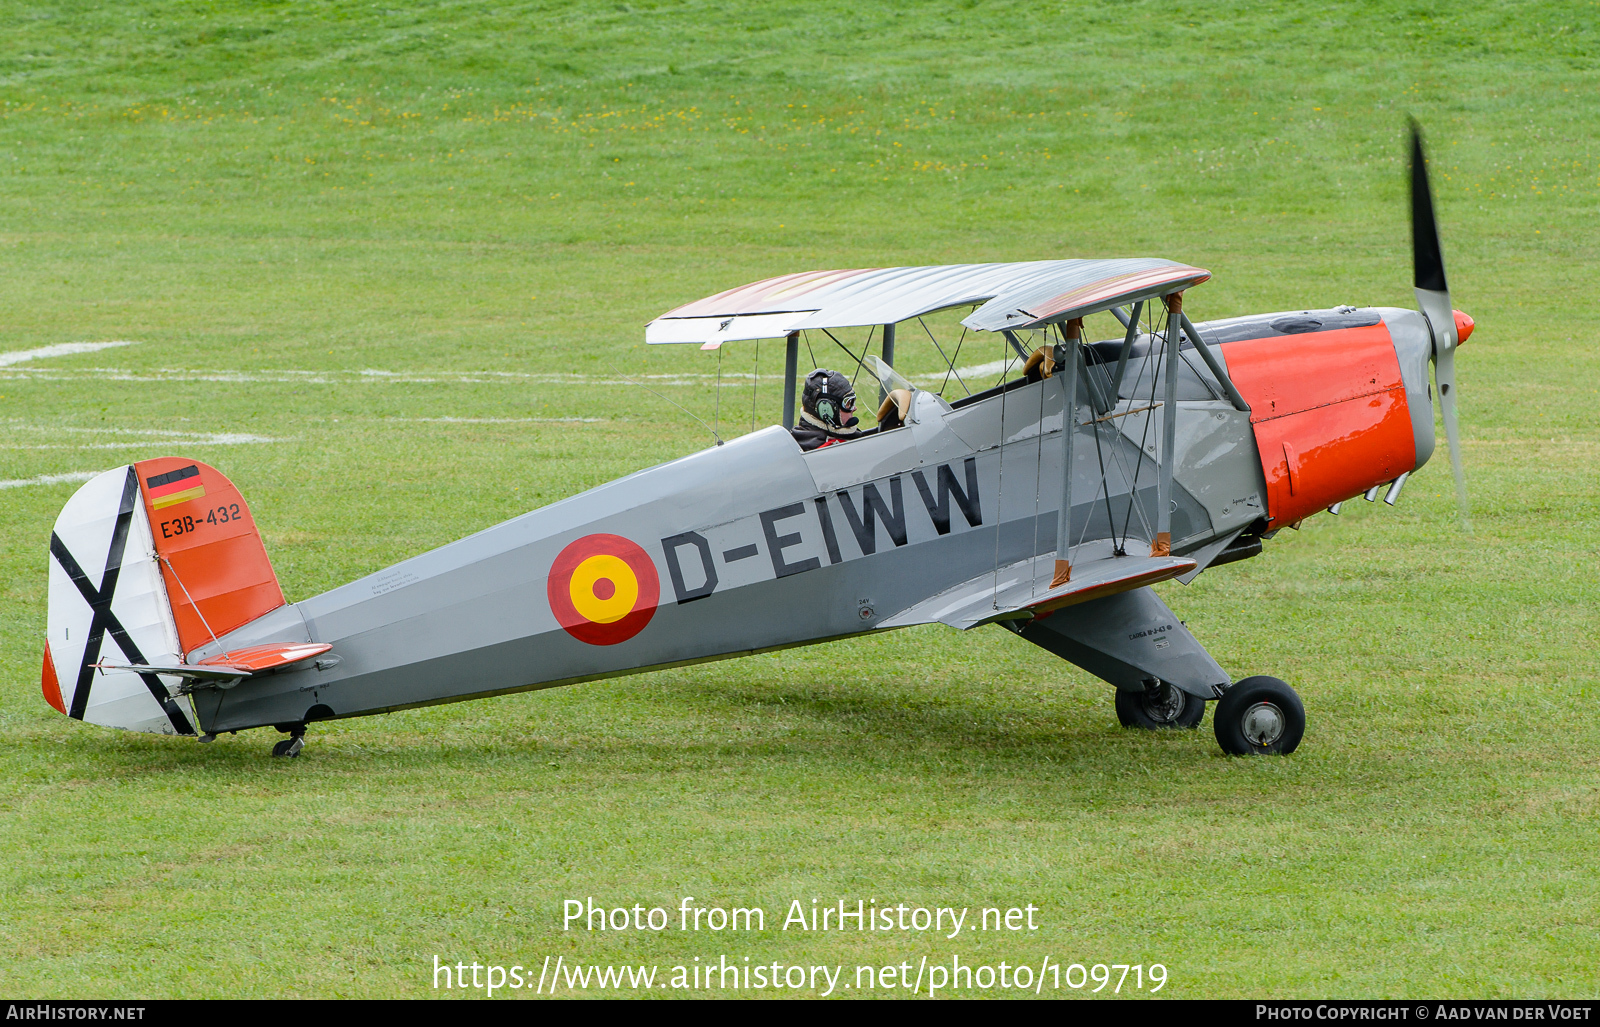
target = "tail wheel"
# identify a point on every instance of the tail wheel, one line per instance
(1161, 706)
(1259, 716)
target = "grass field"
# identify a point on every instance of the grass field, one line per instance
(381, 266)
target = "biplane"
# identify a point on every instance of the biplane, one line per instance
(1047, 504)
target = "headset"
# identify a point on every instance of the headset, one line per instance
(829, 396)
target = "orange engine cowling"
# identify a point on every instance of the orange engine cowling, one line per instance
(1330, 414)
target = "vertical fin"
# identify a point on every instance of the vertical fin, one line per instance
(215, 568)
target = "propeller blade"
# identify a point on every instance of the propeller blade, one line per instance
(1427, 259)
(1444, 374)
(1433, 299)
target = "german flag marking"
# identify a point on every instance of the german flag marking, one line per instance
(174, 487)
(603, 589)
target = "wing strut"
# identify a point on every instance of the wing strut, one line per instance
(1132, 325)
(1162, 544)
(791, 363)
(1069, 412)
(888, 358)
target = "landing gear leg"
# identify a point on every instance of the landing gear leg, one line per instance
(1162, 673)
(292, 745)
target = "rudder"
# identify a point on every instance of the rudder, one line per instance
(148, 562)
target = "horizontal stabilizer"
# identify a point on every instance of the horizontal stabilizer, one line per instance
(1021, 591)
(177, 670)
(229, 666)
(266, 657)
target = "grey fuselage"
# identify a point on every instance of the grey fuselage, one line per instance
(758, 546)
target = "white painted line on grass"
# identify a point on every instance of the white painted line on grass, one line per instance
(504, 420)
(372, 377)
(49, 479)
(164, 433)
(135, 437)
(976, 371)
(203, 440)
(60, 349)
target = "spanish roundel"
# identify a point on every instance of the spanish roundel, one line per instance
(603, 589)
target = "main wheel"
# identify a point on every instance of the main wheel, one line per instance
(1258, 716)
(1159, 707)
(289, 747)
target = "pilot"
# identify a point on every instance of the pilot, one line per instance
(827, 410)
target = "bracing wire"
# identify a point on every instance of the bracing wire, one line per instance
(1010, 355)
(948, 360)
(1118, 459)
(1144, 434)
(675, 403)
(755, 382)
(850, 352)
(1084, 534)
(1095, 425)
(1105, 484)
(953, 358)
(1187, 359)
(1151, 359)
(860, 361)
(192, 603)
(1133, 394)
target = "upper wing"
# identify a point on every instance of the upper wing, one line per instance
(1021, 295)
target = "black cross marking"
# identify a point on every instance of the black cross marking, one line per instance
(104, 620)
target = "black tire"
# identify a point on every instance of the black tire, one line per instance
(1259, 716)
(1165, 706)
(284, 748)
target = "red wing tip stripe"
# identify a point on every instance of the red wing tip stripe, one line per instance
(1111, 287)
(157, 481)
(748, 299)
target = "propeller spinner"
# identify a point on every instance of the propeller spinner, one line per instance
(1433, 299)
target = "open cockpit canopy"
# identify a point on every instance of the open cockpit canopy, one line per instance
(1008, 296)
